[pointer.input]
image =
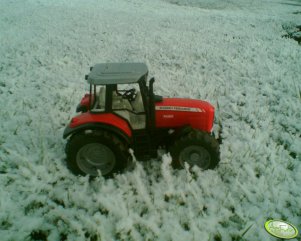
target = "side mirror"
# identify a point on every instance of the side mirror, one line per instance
(152, 115)
(152, 96)
(151, 87)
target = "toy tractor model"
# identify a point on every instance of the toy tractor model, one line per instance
(121, 112)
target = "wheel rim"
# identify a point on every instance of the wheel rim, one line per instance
(95, 157)
(195, 156)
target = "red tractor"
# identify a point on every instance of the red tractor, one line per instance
(121, 112)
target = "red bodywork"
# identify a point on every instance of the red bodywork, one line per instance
(170, 113)
(178, 112)
(85, 101)
(104, 118)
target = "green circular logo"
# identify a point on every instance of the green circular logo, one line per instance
(281, 229)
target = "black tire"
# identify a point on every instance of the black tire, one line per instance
(195, 148)
(83, 149)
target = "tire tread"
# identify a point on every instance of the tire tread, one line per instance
(203, 138)
(77, 138)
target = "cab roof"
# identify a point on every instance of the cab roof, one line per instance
(116, 73)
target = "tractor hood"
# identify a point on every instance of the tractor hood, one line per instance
(177, 112)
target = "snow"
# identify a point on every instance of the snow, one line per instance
(230, 53)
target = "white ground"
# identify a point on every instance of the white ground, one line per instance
(230, 53)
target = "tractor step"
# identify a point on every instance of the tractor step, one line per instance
(143, 147)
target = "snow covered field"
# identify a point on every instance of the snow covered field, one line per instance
(229, 52)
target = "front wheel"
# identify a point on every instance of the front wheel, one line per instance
(196, 149)
(96, 153)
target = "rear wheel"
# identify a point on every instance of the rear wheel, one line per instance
(97, 152)
(196, 149)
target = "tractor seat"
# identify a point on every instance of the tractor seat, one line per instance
(102, 97)
(137, 104)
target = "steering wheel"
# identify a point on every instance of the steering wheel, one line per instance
(129, 94)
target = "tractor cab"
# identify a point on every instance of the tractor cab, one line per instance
(120, 89)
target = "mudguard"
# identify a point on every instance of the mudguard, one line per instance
(106, 121)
